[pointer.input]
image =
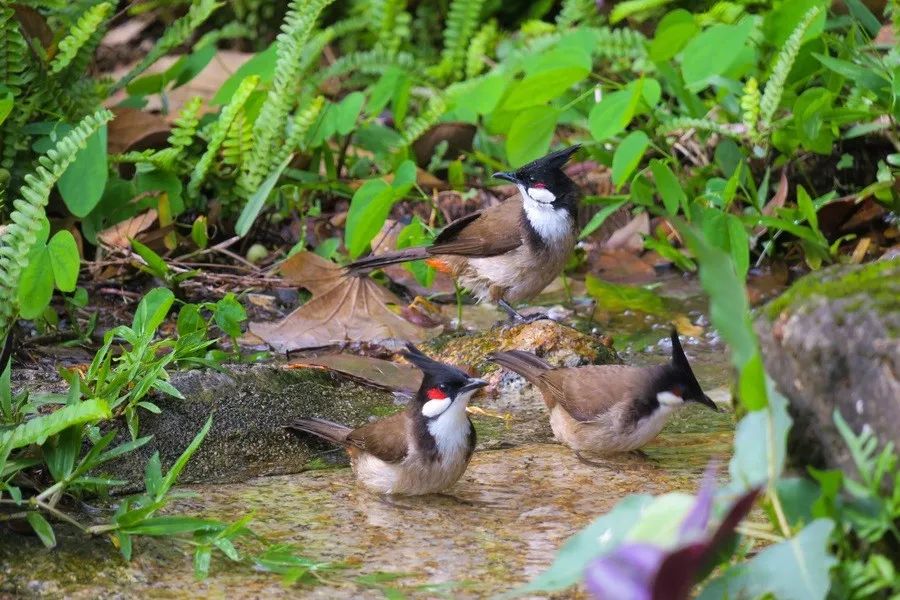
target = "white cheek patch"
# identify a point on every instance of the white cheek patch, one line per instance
(669, 399)
(541, 195)
(433, 408)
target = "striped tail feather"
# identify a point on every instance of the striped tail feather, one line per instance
(525, 364)
(368, 263)
(327, 430)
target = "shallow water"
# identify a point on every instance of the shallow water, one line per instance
(501, 524)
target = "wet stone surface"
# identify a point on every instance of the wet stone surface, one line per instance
(522, 496)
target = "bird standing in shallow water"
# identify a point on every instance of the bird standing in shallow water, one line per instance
(603, 409)
(423, 450)
(510, 252)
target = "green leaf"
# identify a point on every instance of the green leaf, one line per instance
(369, 208)
(672, 33)
(795, 569)
(155, 264)
(152, 311)
(598, 219)
(200, 232)
(6, 102)
(623, 10)
(347, 111)
(404, 179)
(42, 528)
(36, 284)
(202, 558)
(597, 539)
(172, 525)
(153, 475)
(614, 112)
(713, 52)
(60, 452)
(669, 188)
(628, 156)
(229, 315)
(38, 429)
(82, 184)
(172, 476)
(530, 134)
(759, 441)
(6, 410)
(65, 260)
(190, 320)
(262, 64)
(258, 199)
(739, 243)
(541, 87)
(615, 298)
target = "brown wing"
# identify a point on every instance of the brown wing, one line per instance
(588, 392)
(489, 232)
(385, 438)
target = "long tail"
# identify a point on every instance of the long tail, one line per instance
(333, 432)
(525, 364)
(365, 264)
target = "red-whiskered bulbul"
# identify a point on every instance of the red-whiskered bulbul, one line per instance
(605, 409)
(509, 252)
(421, 450)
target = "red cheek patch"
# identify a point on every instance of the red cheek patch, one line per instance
(539, 186)
(435, 394)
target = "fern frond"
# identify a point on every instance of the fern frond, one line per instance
(387, 17)
(576, 11)
(433, 112)
(462, 20)
(88, 23)
(183, 131)
(25, 220)
(369, 62)
(175, 35)
(482, 45)
(681, 124)
(269, 129)
(237, 144)
(300, 125)
(220, 130)
(750, 101)
(16, 74)
(621, 42)
(783, 63)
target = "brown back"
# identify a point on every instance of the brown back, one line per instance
(384, 438)
(590, 391)
(489, 232)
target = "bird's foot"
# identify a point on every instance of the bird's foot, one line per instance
(640, 454)
(517, 318)
(590, 462)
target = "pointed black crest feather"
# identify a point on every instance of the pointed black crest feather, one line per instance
(560, 157)
(431, 367)
(679, 358)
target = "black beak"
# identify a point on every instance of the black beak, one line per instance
(473, 384)
(706, 401)
(507, 176)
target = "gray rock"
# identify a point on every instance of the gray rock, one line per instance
(250, 406)
(832, 342)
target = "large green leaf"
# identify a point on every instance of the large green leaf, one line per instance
(369, 208)
(712, 52)
(668, 186)
(36, 284)
(628, 156)
(258, 199)
(262, 64)
(82, 184)
(795, 569)
(672, 33)
(614, 112)
(42, 528)
(542, 87)
(152, 311)
(38, 429)
(64, 259)
(530, 134)
(172, 525)
(759, 442)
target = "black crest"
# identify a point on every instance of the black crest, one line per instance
(432, 369)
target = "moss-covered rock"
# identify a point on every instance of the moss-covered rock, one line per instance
(250, 406)
(832, 342)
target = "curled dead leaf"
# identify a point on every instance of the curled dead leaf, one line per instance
(344, 308)
(121, 234)
(630, 237)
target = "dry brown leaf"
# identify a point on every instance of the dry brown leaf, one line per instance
(121, 234)
(394, 377)
(459, 137)
(344, 308)
(134, 129)
(859, 253)
(631, 236)
(622, 266)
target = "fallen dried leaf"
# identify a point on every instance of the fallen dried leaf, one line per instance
(622, 266)
(343, 309)
(121, 234)
(859, 253)
(631, 236)
(459, 137)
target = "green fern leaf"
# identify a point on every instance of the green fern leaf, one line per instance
(300, 125)
(175, 35)
(482, 45)
(269, 129)
(576, 11)
(220, 131)
(681, 124)
(775, 85)
(432, 113)
(462, 20)
(750, 101)
(89, 22)
(28, 211)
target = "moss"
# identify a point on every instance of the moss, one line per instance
(876, 285)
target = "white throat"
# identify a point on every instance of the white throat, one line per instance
(669, 400)
(450, 427)
(549, 222)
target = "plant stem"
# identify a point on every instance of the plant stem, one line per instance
(459, 311)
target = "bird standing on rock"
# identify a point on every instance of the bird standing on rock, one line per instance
(603, 409)
(510, 252)
(423, 450)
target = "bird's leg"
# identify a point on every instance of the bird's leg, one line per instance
(518, 317)
(589, 462)
(640, 453)
(389, 500)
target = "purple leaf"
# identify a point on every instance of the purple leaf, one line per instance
(625, 574)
